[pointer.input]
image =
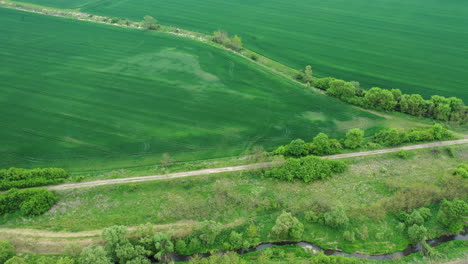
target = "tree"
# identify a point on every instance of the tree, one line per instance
(389, 137)
(413, 104)
(308, 77)
(163, 246)
(235, 43)
(94, 254)
(6, 251)
(297, 148)
(209, 231)
(126, 252)
(341, 89)
(380, 99)
(417, 233)
(166, 160)
(235, 240)
(442, 109)
(180, 247)
(114, 236)
(396, 94)
(150, 23)
(453, 214)
(336, 217)
(322, 144)
(324, 83)
(220, 37)
(287, 227)
(354, 138)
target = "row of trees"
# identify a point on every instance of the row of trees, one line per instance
(323, 145)
(26, 178)
(307, 169)
(28, 202)
(234, 43)
(437, 107)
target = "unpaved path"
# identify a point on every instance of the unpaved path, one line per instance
(245, 167)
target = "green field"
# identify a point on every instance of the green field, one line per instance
(418, 46)
(85, 95)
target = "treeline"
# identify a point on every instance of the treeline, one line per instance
(307, 169)
(26, 178)
(28, 202)
(221, 37)
(437, 107)
(355, 138)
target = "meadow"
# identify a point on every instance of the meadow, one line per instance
(83, 96)
(417, 46)
(237, 199)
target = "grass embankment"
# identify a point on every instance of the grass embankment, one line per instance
(384, 43)
(237, 199)
(140, 94)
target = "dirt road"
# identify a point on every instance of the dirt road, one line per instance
(245, 167)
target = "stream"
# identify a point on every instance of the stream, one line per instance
(314, 249)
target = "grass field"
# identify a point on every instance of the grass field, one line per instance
(417, 46)
(237, 198)
(84, 95)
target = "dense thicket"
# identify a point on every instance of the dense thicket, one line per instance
(26, 178)
(28, 202)
(437, 107)
(306, 169)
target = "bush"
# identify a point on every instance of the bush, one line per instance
(24, 178)
(336, 217)
(354, 138)
(349, 236)
(461, 170)
(402, 154)
(417, 233)
(297, 148)
(452, 215)
(6, 251)
(287, 227)
(306, 169)
(29, 201)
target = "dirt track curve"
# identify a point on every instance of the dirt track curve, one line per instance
(245, 167)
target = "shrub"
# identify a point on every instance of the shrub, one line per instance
(336, 217)
(354, 138)
(417, 233)
(461, 170)
(349, 236)
(25, 178)
(452, 215)
(402, 154)
(16, 260)
(6, 251)
(306, 169)
(94, 254)
(297, 148)
(29, 201)
(287, 227)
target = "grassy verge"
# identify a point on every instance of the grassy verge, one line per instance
(238, 199)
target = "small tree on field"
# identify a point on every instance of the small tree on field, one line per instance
(166, 160)
(94, 254)
(235, 43)
(297, 148)
(417, 233)
(220, 37)
(322, 144)
(307, 78)
(150, 23)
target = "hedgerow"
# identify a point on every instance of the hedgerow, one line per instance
(28, 202)
(437, 107)
(26, 178)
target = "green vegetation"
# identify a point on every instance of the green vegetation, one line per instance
(23, 178)
(385, 46)
(306, 169)
(323, 145)
(364, 201)
(437, 107)
(28, 202)
(109, 118)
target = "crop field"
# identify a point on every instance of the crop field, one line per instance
(82, 95)
(418, 46)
